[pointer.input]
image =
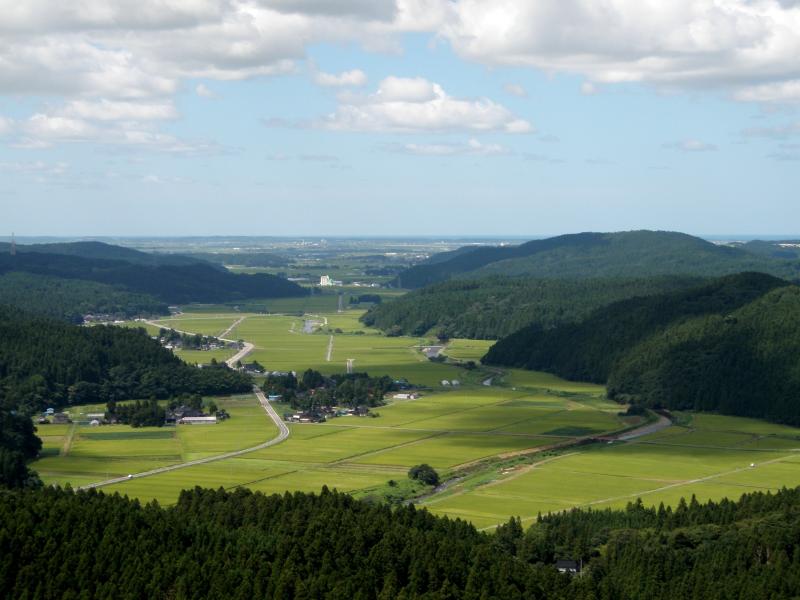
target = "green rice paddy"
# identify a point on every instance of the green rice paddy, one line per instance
(520, 423)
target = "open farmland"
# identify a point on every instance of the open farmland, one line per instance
(711, 458)
(508, 444)
(80, 454)
(352, 454)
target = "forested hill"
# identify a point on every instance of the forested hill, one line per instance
(71, 299)
(622, 254)
(732, 345)
(173, 283)
(46, 362)
(242, 545)
(104, 251)
(494, 307)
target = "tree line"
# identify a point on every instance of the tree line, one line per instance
(242, 544)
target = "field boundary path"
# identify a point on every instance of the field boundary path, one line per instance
(283, 433)
(235, 324)
(330, 350)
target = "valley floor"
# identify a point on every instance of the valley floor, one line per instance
(511, 446)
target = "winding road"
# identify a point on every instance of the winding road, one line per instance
(283, 433)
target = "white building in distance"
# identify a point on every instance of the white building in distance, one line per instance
(326, 281)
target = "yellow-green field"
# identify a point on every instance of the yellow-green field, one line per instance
(522, 423)
(710, 459)
(80, 453)
(350, 453)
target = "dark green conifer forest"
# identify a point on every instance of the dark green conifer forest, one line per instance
(46, 362)
(732, 345)
(244, 545)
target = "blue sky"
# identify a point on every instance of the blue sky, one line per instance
(297, 117)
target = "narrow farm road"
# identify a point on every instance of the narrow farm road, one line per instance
(231, 362)
(662, 423)
(235, 324)
(283, 433)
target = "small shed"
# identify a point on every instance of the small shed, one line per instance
(568, 566)
(198, 421)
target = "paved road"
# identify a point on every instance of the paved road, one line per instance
(330, 350)
(283, 433)
(248, 348)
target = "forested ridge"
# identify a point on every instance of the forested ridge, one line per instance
(102, 250)
(46, 362)
(172, 281)
(732, 345)
(241, 544)
(71, 299)
(594, 255)
(495, 307)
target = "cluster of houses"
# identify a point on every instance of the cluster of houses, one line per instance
(325, 413)
(104, 318)
(208, 343)
(186, 415)
(56, 418)
(183, 415)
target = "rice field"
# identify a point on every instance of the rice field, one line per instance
(716, 456)
(523, 420)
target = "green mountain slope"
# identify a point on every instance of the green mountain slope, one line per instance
(70, 299)
(104, 251)
(494, 307)
(622, 254)
(195, 281)
(729, 345)
(745, 363)
(47, 362)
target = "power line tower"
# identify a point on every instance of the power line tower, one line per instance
(13, 245)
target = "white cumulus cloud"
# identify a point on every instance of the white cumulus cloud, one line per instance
(472, 147)
(352, 78)
(416, 104)
(108, 110)
(678, 44)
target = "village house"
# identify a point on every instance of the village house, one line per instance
(61, 418)
(406, 396)
(204, 420)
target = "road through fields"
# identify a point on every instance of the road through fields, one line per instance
(246, 349)
(283, 433)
